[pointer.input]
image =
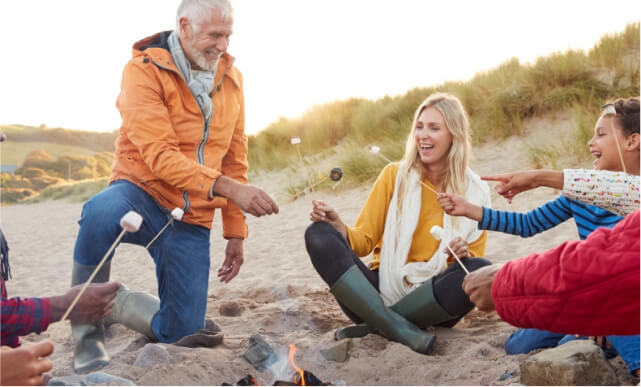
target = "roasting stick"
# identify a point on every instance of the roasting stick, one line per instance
(130, 222)
(376, 150)
(176, 214)
(611, 110)
(295, 141)
(438, 233)
(336, 174)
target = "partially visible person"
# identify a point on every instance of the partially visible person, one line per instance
(411, 283)
(588, 287)
(21, 316)
(611, 130)
(26, 365)
(618, 191)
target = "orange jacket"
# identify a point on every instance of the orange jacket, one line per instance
(164, 146)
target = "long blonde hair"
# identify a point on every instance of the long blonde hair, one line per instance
(458, 157)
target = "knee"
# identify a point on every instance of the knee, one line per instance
(476, 263)
(100, 210)
(317, 237)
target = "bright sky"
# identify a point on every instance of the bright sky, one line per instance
(62, 60)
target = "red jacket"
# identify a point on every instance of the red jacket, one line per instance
(588, 287)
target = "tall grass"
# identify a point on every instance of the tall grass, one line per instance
(73, 191)
(567, 148)
(497, 101)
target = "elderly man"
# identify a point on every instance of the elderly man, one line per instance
(181, 145)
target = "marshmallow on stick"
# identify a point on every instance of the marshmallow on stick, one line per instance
(439, 234)
(130, 223)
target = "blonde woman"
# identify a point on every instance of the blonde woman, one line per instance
(411, 282)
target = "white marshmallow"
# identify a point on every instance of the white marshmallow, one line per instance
(437, 232)
(374, 149)
(131, 221)
(295, 140)
(177, 214)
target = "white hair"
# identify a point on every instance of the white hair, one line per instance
(197, 11)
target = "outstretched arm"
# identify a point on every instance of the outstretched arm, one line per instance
(511, 184)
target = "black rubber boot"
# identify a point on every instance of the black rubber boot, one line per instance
(420, 307)
(357, 293)
(135, 310)
(89, 353)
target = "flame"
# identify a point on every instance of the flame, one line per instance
(301, 373)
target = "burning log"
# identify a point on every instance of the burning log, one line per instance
(309, 379)
(246, 381)
(299, 378)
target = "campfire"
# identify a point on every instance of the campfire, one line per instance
(299, 378)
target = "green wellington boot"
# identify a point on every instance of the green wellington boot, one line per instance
(420, 307)
(357, 293)
(135, 310)
(89, 353)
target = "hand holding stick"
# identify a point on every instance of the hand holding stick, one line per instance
(438, 233)
(130, 222)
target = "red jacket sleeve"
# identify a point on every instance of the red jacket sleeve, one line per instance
(588, 287)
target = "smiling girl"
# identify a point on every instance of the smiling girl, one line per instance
(410, 283)
(615, 147)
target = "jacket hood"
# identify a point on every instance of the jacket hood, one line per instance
(156, 47)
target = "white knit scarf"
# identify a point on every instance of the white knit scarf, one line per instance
(397, 277)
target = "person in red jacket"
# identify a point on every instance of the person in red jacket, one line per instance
(598, 277)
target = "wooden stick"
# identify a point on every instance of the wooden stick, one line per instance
(616, 139)
(378, 153)
(170, 221)
(457, 259)
(309, 182)
(84, 287)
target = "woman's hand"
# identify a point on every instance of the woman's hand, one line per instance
(459, 246)
(323, 212)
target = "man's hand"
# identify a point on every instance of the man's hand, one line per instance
(233, 260)
(94, 304)
(478, 286)
(25, 365)
(250, 199)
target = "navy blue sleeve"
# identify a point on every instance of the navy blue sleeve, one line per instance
(527, 224)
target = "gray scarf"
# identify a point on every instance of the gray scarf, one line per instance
(201, 83)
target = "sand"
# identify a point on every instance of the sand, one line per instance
(279, 295)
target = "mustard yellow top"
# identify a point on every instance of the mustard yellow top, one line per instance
(367, 234)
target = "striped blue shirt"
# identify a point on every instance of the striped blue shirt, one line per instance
(588, 218)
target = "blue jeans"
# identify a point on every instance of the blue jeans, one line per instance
(526, 340)
(181, 254)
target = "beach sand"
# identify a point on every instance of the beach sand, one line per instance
(279, 296)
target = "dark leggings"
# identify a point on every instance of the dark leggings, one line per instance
(332, 257)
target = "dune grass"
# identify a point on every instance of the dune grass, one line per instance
(14, 152)
(79, 191)
(498, 101)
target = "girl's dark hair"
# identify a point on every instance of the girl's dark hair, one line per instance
(628, 114)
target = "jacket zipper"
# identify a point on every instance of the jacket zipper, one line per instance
(201, 147)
